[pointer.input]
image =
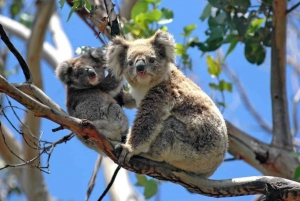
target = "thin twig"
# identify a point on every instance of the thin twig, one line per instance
(110, 183)
(296, 100)
(93, 177)
(292, 8)
(17, 54)
(113, 20)
(246, 100)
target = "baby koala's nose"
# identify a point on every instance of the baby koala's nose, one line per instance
(91, 73)
(140, 65)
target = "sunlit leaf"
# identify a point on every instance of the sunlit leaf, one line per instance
(223, 85)
(74, 7)
(214, 68)
(150, 188)
(141, 180)
(154, 15)
(179, 50)
(188, 29)
(88, 5)
(139, 7)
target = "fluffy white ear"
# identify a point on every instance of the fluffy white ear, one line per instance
(116, 55)
(62, 71)
(164, 44)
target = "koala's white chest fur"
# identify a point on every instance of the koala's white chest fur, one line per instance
(138, 93)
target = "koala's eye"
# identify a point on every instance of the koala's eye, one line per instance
(151, 60)
(130, 63)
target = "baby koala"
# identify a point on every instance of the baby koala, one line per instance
(176, 121)
(90, 95)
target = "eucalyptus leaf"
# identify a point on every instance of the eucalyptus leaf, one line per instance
(214, 67)
(150, 188)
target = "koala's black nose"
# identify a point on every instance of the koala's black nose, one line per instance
(140, 65)
(91, 73)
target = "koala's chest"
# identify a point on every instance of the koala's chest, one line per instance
(138, 94)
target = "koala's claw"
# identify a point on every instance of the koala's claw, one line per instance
(125, 154)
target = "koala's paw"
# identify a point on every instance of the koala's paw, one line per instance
(124, 152)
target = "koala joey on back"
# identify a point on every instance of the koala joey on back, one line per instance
(176, 121)
(90, 95)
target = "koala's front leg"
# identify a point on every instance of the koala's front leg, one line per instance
(112, 84)
(153, 111)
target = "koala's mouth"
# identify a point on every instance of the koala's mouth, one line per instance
(93, 80)
(92, 77)
(141, 73)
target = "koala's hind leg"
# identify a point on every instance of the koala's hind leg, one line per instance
(162, 147)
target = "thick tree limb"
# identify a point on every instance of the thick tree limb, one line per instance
(282, 137)
(126, 7)
(280, 188)
(267, 159)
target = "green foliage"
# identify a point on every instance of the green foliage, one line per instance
(78, 4)
(150, 185)
(182, 48)
(297, 173)
(62, 3)
(236, 21)
(214, 68)
(146, 18)
(16, 7)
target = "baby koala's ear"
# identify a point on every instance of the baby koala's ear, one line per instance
(97, 53)
(63, 71)
(116, 55)
(165, 45)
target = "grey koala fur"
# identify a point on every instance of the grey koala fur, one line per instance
(176, 121)
(90, 95)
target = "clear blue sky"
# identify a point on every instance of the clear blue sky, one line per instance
(72, 163)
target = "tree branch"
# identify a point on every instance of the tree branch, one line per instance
(282, 137)
(126, 7)
(113, 20)
(22, 32)
(17, 54)
(93, 177)
(37, 190)
(281, 188)
(61, 41)
(246, 100)
(292, 8)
